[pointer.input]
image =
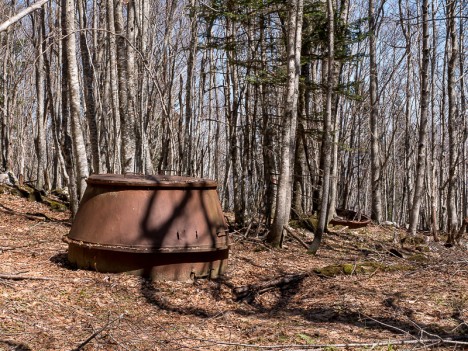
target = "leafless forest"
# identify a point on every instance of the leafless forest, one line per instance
(296, 107)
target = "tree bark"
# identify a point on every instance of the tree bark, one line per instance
(88, 78)
(129, 130)
(126, 122)
(424, 94)
(79, 148)
(376, 213)
(283, 197)
(114, 85)
(41, 151)
(452, 123)
(191, 60)
(326, 134)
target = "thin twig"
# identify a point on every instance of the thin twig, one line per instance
(99, 331)
(290, 231)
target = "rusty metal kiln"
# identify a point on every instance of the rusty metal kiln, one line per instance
(165, 227)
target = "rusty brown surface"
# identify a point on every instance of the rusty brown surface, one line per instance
(131, 223)
(351, 219)
(158, 266)
(153, 181)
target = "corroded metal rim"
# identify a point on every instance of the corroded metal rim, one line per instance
(169, 266)
(143, 249)
(349, 220)
(150, 181)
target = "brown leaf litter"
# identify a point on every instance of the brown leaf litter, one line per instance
(46, 304)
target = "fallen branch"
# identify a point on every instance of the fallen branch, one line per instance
(97, 332)
(23, 277)
(295, 236)
(27, 215)
(33, 216)
(249, 291)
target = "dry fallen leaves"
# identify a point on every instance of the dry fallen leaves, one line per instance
(123, 312)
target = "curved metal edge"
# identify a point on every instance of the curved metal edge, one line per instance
(142, 181)
(133, 249)
(158, 266)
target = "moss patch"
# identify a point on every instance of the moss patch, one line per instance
(55, 205)
(358, 268)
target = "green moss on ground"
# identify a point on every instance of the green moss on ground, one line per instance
(362, 268)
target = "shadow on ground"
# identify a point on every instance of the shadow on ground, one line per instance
(11, 345)
(401, 324)
(61, 260)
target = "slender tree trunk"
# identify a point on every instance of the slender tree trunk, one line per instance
(326, 134)
(114, 84)
(283, 197)
(336, 113)
(452, 123)
(129, 130)
(66, 141)
(126, 126)
(376, 213)
(5, 103)
(424, 94)
(463, 115)
(79, 149)
(191, 60)
(406, 193)
(41, 151)
(88, 78)
(434, 198)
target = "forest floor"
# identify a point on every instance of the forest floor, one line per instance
(369, 299)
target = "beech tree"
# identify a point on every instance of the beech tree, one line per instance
(79, 150)
(296, 108)
(288, 131)
(424, 94)
(327, 131)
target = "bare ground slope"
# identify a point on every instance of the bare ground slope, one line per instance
(370, 296)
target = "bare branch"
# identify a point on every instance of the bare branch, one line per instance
(4, 26)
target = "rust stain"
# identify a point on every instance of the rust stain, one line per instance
(168, 227)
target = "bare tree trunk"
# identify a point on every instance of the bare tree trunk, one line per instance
(268, 156)
(405, 199)
(434, 199)
(129, 127)
(5, 107)
(327, 135)
(66, 141)
(452, 123)
(463, 115)
(59, 173)
(126, 122)
(187, 154)
(424, 94)
(88, 78)
(41, 151)
(79, 149)
(374, 121)
(336, 113)
(114, 84)
(283, 197)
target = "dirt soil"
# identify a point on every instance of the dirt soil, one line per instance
(400, 303)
